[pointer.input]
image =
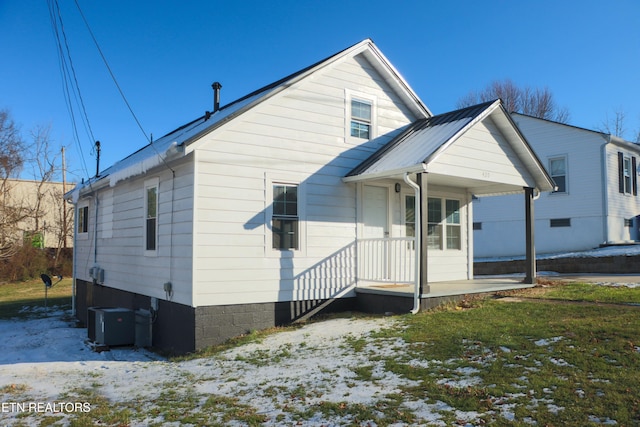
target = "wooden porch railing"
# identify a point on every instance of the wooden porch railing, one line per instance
(389, 260)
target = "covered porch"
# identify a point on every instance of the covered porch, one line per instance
(437, 168)
(399, 298)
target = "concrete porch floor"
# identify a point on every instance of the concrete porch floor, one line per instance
(398, 298)
(449, 288)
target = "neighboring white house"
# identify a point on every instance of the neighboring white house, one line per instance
(285, 201)
(596, 201)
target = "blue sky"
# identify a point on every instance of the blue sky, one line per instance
(166, 54)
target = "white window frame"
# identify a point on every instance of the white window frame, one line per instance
(83, 235)
(442, 223)
(626, 174)
(373, 125)
(150, 184)
(272, 179)
(564, 158)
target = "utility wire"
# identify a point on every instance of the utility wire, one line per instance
(113, 77)
(55, 15)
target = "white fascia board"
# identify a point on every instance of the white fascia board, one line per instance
(386, 174)
(395, 80)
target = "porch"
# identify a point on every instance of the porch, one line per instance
(399, 298)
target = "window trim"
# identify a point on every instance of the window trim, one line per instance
(272, 179)
(348, 119)
(565, 158)
(84, 233)
(150, 184)
(442, 224)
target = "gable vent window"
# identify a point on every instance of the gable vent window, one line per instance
(284, 222)
(627, 176)
(560, 222)
(360, 119)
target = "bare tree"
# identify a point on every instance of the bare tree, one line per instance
(616, 125)
(12, 212)
(531, 101)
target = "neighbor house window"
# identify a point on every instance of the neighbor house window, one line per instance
(558, 170)
(361, 119)
(284, 222)
(83, 219)
(560, 222)
(627, 176)
(151, 215)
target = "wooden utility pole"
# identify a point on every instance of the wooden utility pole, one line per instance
(64, 206)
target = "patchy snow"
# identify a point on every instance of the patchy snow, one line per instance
(616, 250)
(47, 360)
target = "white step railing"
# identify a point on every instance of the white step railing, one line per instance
(387, 260)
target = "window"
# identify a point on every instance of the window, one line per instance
(284, 223)
(477, 226)
(627, 176)
(83, 219)
(151, 216)
(360, 119)
(560, 222)
(410, 216)
(454, 236)
(434, 228)
(628, 222)
(558, 170)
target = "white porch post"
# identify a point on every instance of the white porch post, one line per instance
(530, 262)
(424, 233)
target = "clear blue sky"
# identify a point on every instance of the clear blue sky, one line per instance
(166, 54)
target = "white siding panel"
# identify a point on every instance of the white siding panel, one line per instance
(121, 253)
(502, 217)
(299, 133)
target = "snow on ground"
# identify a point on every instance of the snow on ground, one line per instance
(622, 250)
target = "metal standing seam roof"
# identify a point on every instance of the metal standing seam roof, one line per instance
(420, 141)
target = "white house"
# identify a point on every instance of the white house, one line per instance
(286, 201)
(596, 201)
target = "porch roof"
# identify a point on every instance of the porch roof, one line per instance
(417, 148)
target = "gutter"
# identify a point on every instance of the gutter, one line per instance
(416, 292)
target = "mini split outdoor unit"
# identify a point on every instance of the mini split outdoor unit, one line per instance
(111, 326)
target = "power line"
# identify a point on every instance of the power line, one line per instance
(113, 77)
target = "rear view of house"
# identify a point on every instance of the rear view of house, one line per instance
(285, 202)
(596, 201)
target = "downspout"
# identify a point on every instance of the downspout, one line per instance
(417, 204)
(605, 190)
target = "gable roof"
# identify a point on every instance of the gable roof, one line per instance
(422, 142)
(164, 149)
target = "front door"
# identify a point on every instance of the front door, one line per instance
(375, 218)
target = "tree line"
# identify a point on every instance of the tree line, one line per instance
(31, 208)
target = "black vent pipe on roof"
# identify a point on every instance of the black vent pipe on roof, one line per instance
(216, 96)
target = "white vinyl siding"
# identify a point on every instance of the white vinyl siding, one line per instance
(121, 251)
(296, 137)
(502, 217)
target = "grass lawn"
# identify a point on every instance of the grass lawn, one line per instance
(16, 296)
(496, 361)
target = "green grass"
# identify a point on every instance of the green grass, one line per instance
(15, 297)
(588, 292)
(536, 361)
